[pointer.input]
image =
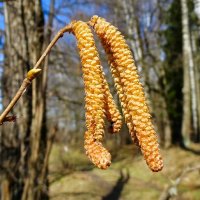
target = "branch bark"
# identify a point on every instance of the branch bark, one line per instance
(26, 82)
(171, 189)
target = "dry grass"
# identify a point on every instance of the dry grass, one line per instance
(128, 177)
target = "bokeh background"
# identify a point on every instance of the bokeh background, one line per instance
(42, 154)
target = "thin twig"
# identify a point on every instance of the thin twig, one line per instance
(19, 93)
(52, 43)
(171, 189)
(26, 82)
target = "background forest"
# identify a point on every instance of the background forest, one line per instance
(42, 154)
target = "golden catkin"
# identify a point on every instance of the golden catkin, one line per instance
(133, 90)
(111, 111)
(120, 91)
(92, 79)
(91, 55)
(98, 97)
(96, 152)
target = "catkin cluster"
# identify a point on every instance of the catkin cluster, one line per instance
(131, 91)
(99, 103)
(98, 100)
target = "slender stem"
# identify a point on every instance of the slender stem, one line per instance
(19, 93)
(52, 43)
(26, 82)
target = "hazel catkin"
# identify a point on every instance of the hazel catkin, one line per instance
(112, 113)
(96, 152)
(120, 91)
(98, 100)
(132, 89)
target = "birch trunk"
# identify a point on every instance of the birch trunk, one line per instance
(197, 64)
(197, 8)
(197, 82)
(189, 87)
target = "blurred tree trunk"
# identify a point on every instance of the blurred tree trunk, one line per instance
(26, 172)
(5, 190)
(15, 137)
(197, 8)
(197, 83)
(189, 93)
(39, 138)
(197, 63)
(133, 31)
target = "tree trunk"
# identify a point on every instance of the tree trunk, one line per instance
(39, 137)
(28, 137)
(197, 69)
(188, 80)
(197, 82)
(197, 8)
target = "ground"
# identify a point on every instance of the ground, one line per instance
(73, 177)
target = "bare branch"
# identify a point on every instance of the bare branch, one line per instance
(27, 81)
(171, 189)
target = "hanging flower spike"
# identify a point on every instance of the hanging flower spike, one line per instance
(98, 97)
(124, 104)
(94, 93)
(133, 90)
(122, 96)
(112, 113)
(96, 152)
